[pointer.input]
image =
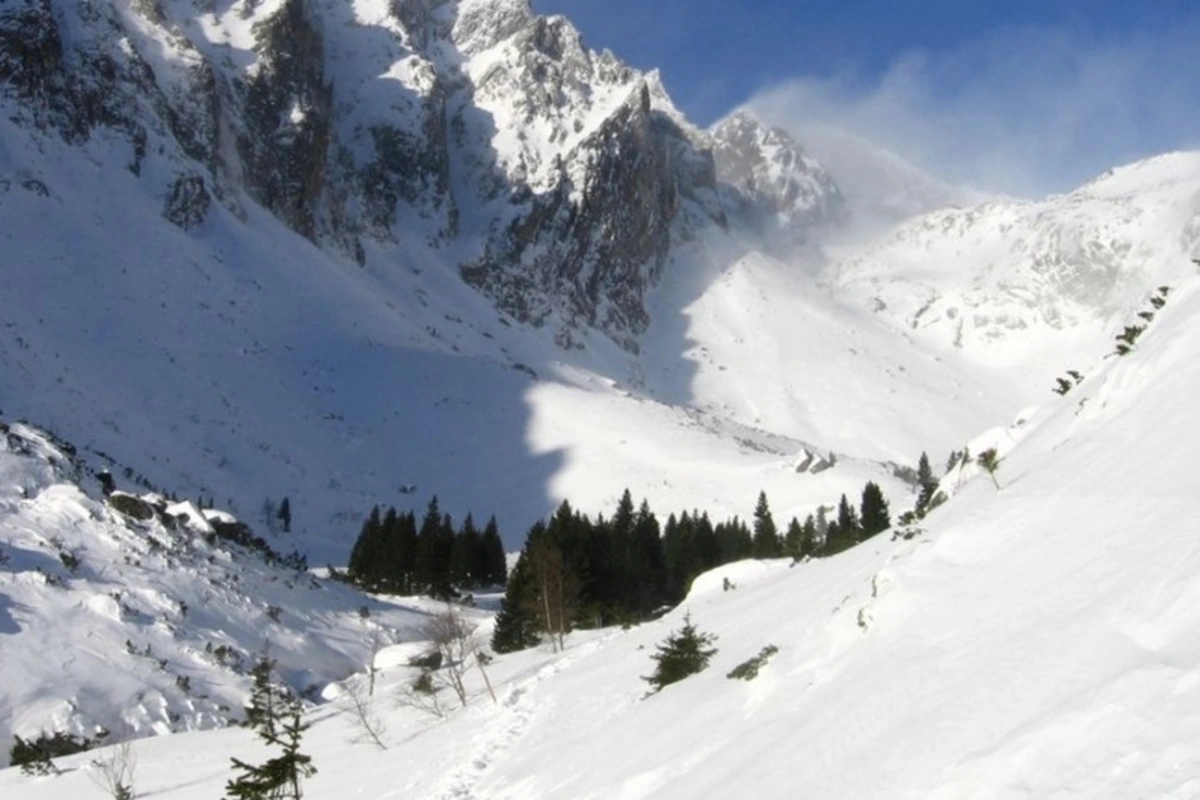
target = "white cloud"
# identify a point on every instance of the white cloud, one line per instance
(1023, 112)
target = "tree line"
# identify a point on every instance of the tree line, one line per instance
(575, 572)
(395, 555)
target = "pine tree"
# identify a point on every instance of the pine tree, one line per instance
(811, 541)
(690, 546)
(926, 485)
(276, 715)
(847, 518)
(875, 517)
(516, 626)
(556, 595)
(793, 539)
(675, 553)
(403, 544)
(263, 712)
(802, 540)
(390, 566)
(734, 542)
(1127, 338)
(431, 567)
(821, 527)
(494, 558)
(766, 535)
(845, 532)
(619, 570)
(623, 518)
(365, 557)
(443, 587)
(685, 652)
(463, 555)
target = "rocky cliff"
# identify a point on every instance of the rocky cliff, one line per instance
(553, 177)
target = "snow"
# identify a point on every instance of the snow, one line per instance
(130, 639)
(253, 366)
(997, 281)
(1038, 641)
(244, 384)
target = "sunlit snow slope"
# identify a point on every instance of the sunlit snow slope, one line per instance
(1039, 640)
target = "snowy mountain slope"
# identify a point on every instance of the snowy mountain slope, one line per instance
(1000, 280)
(230, 358)
(283, 379)
(767, 346)
(234, 240)
(156, 313)
(149, 626)
(239, 362)
(303, 378)
(252, 367)
(1034, 641)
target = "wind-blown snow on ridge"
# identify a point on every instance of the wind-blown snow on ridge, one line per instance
(881, 189)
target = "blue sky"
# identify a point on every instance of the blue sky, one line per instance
(1023, 96)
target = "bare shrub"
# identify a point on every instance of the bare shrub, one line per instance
(422, 694)
(114, 772)
(454, 649)
(364, 715)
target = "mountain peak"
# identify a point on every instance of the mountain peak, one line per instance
(787, 193)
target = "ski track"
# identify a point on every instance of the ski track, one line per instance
(516, 713)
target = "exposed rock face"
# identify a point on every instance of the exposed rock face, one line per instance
(589, 247)
(131, 506)
(287, 118)
(782, 192)
(553, 177)
(31, 49)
